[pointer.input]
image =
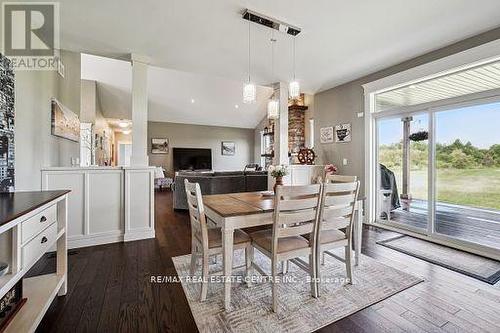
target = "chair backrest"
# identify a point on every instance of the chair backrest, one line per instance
(296, 211)
(340, 179)
(338, 203)
(196, 212)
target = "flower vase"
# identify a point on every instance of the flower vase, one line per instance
(279, 181)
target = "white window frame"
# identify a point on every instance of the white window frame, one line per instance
(457, 62)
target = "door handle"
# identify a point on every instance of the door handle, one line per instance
(44, 240)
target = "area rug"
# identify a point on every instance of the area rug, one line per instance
(481, 268)
(298, 311)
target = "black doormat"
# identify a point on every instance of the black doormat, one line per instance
(478, 267)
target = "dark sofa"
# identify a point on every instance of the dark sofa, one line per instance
(218, 183)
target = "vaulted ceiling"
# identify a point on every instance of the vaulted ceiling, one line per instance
(340, 40)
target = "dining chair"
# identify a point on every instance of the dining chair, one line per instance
(296, 212)
(338, 201)
(207, 241)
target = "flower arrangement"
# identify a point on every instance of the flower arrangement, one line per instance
(330, 169)
(278, 171)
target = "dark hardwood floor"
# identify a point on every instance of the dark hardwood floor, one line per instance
(110, 290)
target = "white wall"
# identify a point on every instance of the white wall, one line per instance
(199, 136)
(35, 147)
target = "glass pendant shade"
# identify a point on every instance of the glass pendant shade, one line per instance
(273, 109)
(294, 89)
(249, 93)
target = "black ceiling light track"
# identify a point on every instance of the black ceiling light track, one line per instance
(270, 22)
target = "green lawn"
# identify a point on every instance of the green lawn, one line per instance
(469, 187)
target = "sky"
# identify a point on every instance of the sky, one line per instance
(478, 124)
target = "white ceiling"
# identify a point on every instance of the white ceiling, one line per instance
(171, 95)
(340, 41)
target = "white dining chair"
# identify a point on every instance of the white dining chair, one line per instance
(207, 242)
(337, 211)
(296, 212)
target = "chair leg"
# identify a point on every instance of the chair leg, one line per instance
(204, 283)
(348, 262)
(194, 257)
(312, 271)
(318, 272)
(213, 259)
(284, 267)
(248, 262)
(274, 274)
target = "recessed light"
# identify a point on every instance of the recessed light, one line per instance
(123, 123)
(192, 100)
(126, 132)
(236, 106)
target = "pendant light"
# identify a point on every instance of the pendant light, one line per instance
(294, 86)
(249, 90)
(273, 106)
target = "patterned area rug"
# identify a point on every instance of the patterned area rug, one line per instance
(298, 311)
(481, 268)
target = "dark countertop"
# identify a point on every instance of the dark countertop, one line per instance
(16, 204)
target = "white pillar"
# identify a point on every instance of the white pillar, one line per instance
(281, 127)
(139, 155)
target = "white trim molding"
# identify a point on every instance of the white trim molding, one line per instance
(107, 204)
(473, 57)
(139, 203)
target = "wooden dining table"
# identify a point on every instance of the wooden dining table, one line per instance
(249, 209)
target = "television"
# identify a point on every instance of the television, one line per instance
(192, 159)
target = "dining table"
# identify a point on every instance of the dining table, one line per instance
(250, 209)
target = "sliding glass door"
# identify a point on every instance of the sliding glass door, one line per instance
(403, 155)
(467, 174)
(438, 173)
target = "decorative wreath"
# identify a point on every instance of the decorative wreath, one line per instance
(306, 156)
(419, 136)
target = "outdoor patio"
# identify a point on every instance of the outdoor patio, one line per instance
(476, 225)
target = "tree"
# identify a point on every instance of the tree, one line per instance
(461, 160)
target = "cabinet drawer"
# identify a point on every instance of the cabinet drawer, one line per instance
(38, 245)
(37, 223)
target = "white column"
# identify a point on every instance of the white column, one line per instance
(139, 155)
(281, 127)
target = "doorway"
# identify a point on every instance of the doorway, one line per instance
(124, 153)
(438, 173)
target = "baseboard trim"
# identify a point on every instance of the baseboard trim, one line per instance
(139, 234)
(93, 240)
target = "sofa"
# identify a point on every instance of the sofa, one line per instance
(218, 183)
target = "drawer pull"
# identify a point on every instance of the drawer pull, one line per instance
(43, 219)
(44, 239)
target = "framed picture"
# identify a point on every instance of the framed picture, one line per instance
(343, 133)
(228, 148)
(159, 146)
(326, 135)
(65, 123)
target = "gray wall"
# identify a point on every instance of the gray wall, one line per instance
(342, 103)
(197, 136)
(35, 146)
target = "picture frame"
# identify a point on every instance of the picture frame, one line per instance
(343, 133)
(159, 146)
(228, 148)
(64, 122)
(326, 134)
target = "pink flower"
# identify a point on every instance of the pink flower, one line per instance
(330, 169)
